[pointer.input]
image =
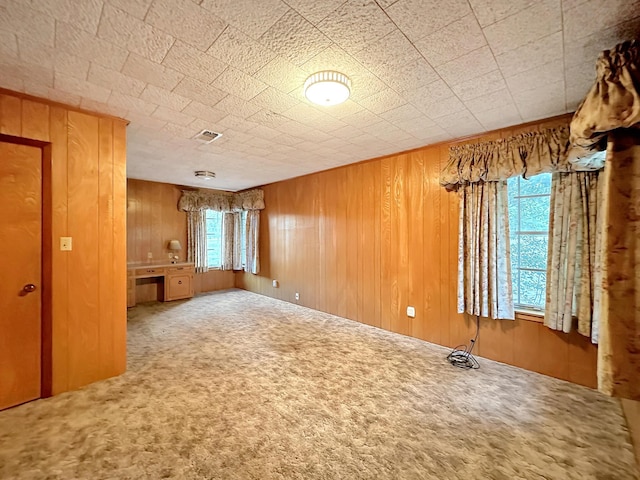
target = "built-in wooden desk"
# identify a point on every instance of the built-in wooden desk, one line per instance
(176, 277)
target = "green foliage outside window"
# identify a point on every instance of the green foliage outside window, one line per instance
(529, 230)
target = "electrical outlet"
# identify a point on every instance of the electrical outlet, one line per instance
(150, 256)
(411, 312)
(297, 296)
(275, 284)
(65, 244)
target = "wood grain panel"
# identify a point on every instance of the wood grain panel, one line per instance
(631, 411)
(387, 238)
(84, 265)
(82, 195)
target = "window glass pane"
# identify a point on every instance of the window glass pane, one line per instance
(536, 185)
(533, 251)
(534, 214)
(532, 288)
(214, 238)
(243, 238)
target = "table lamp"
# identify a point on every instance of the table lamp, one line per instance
(174, 246)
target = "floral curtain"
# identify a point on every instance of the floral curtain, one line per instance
(252, 235)
(610, 115)
(191, 200)
(573, 263)
(484, 262)
(237, 241)
(197, 240)
(228, 236)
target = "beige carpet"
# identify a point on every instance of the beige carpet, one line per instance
(233, 385)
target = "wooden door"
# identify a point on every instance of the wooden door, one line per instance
(20, 287)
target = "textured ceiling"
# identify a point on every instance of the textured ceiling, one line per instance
(422, 71)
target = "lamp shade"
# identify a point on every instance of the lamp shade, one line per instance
(175, 245)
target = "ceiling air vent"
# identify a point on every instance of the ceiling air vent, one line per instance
(207, 136)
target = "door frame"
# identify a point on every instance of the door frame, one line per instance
(46, 278)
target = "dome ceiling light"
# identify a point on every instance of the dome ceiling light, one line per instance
(327, 88)
(205, 174)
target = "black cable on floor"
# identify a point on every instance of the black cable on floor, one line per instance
(461, 356)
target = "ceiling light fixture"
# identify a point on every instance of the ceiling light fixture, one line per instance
(204, 174)
(327, 88)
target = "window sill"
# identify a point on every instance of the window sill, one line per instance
(530, 315)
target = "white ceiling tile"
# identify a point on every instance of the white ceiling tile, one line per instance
(548, 98)
(199, 91)
(81, 87)
(237, 106)
(580, 79)
(431, 93)
(74, 41)
(234, 123)
(460, 124)
(421, 127)
(128, 32)
(347, 108)
(587, 49)
(8, 44)
(495, 118)
(594, 15)
(356, 24)
(27, 71)
(151, 72)
(170, 115)
(113, 80)
(137, 8)
(294, 38)
(196, 26)
(240, 51)
(17, 17)
(84, 15)
(334, 58)
(364, 85)
(482, 85)
(252, 19)
(238, 83)
(398, 114)
(274, 100)
(192, 62)
(538, 21)
(346, 132)
(302, 113)
(99, 107)
(410, 76)
(282, 74)
(418, 18)
(441, 108)
(204, 112)
(75, 100)
(382, 101)
(531, 55)
(361, 119)
(454, 40)
(535, 77)
(467, 67)
(131, 104)
(32, 51)
(490, 11)
(163, 97)
(268, 118)
(497, 99)
(387, 53)
(313, 10)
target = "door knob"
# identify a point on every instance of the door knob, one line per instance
(29, 287)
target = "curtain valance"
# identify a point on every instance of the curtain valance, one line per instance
(193, 200)
(613, 102)
(526, 154)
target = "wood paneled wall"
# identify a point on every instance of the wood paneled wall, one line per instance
(153, 219)
(88, 193)
(367, 240)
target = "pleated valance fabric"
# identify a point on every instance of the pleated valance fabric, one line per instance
(192, 200)
(613, 102)
(609, 117)
(526, 154)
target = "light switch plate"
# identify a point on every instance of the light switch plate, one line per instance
(411, 312)
(65, 244)
(275, 284)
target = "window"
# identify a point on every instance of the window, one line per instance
(214, 239)
(529, 230)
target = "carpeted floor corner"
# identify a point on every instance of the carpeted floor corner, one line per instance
(233, 385)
